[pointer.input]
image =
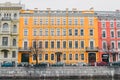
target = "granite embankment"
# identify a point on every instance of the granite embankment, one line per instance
(60, 72)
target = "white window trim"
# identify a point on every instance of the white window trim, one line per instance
(111, 35)
(105, 33)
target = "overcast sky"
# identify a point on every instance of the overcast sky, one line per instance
(106, 5)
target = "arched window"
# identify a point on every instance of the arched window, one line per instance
(14, 42)
(15, 16)
(14, 29)
(5, 27)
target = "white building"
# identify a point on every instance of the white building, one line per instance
(9, 25)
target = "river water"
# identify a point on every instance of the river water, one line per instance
(61, 79)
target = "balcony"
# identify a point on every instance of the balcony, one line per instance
(6, 19)
(91, 49)
(24, 50)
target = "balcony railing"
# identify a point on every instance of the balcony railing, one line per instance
(6, 18)
(24, 50)
(91, 49)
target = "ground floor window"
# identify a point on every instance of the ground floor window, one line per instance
(13, 54)
(40, 56)
(34, 56)
(5, 54)
(70, 56)
(64, 56)
(52, 56)
(76, 56)
(82, 56)
(46, 56)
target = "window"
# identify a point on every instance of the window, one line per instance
(76, 56)
(58, 44)
(64, 32)
(81, 21)
(35, 21)
(40, 44)
(103, 34)
(118, 34)
(118, 24)
(118, 45)
(52, 44)
(58, 32)
(64, 56)
(70, 44)
(104, 45)
(64, 44)
(76, 21)
(112, 45)
(15, 16)
(26, 21)
(91, 44)
(46, 56)
(41, 21)
(82, 32)
(14, 29)
(34, 32)
(46, 21)
(103, 24)
(5, 54)
(40, 32)
(34, 44)
(52, 32)
(46, 44)
(13, 54)
(25, 32)
(70, 21)
(91, 21)
(25, 44)
(52, 56)
(81, 44)
(111, 24)
(91, 32)
(76, 44)
(5, 41)
(70, 32)
(58, 21)
(40, 56)
(14, 42)
(52, 21)
(46, 32)
(64, 21)
(76, 32)
(112, 34)
(34, 56)
(5, 27)
(82, 56)
(70, 56)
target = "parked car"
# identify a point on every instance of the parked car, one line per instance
(82, 64)
(43, 64)
(7, 64)
(102, 63)
(58, 64)
(116, 63)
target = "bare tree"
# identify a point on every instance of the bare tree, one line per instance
(36, 49)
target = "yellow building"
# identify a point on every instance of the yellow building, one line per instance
(62, 36)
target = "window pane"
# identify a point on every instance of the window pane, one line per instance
(76, 44)
(82, 56)
(13, 54)
(52, 56)
(58, 44)
(46, 44)
(46, 56)
(70, 44)
(70, 56)
(5, 41)
(64, 44)
(64, 56)
(40, 56)
(52, 44)
(76, 56)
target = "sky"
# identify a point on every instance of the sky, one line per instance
(99, 5)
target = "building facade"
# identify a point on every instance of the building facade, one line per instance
(63, 36)
(9, 24)
(109, 35)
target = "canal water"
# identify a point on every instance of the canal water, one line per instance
(61, 79)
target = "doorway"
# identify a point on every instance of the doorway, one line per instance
(92, 58)
(58, 56)
(25, 57)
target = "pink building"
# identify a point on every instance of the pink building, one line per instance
(109, 35)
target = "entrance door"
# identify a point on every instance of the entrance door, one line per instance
(105, 57)
(92, 58)
(114, 57)
(58, 57)
(25, 57)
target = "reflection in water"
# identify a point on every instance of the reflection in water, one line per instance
(60, 79)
